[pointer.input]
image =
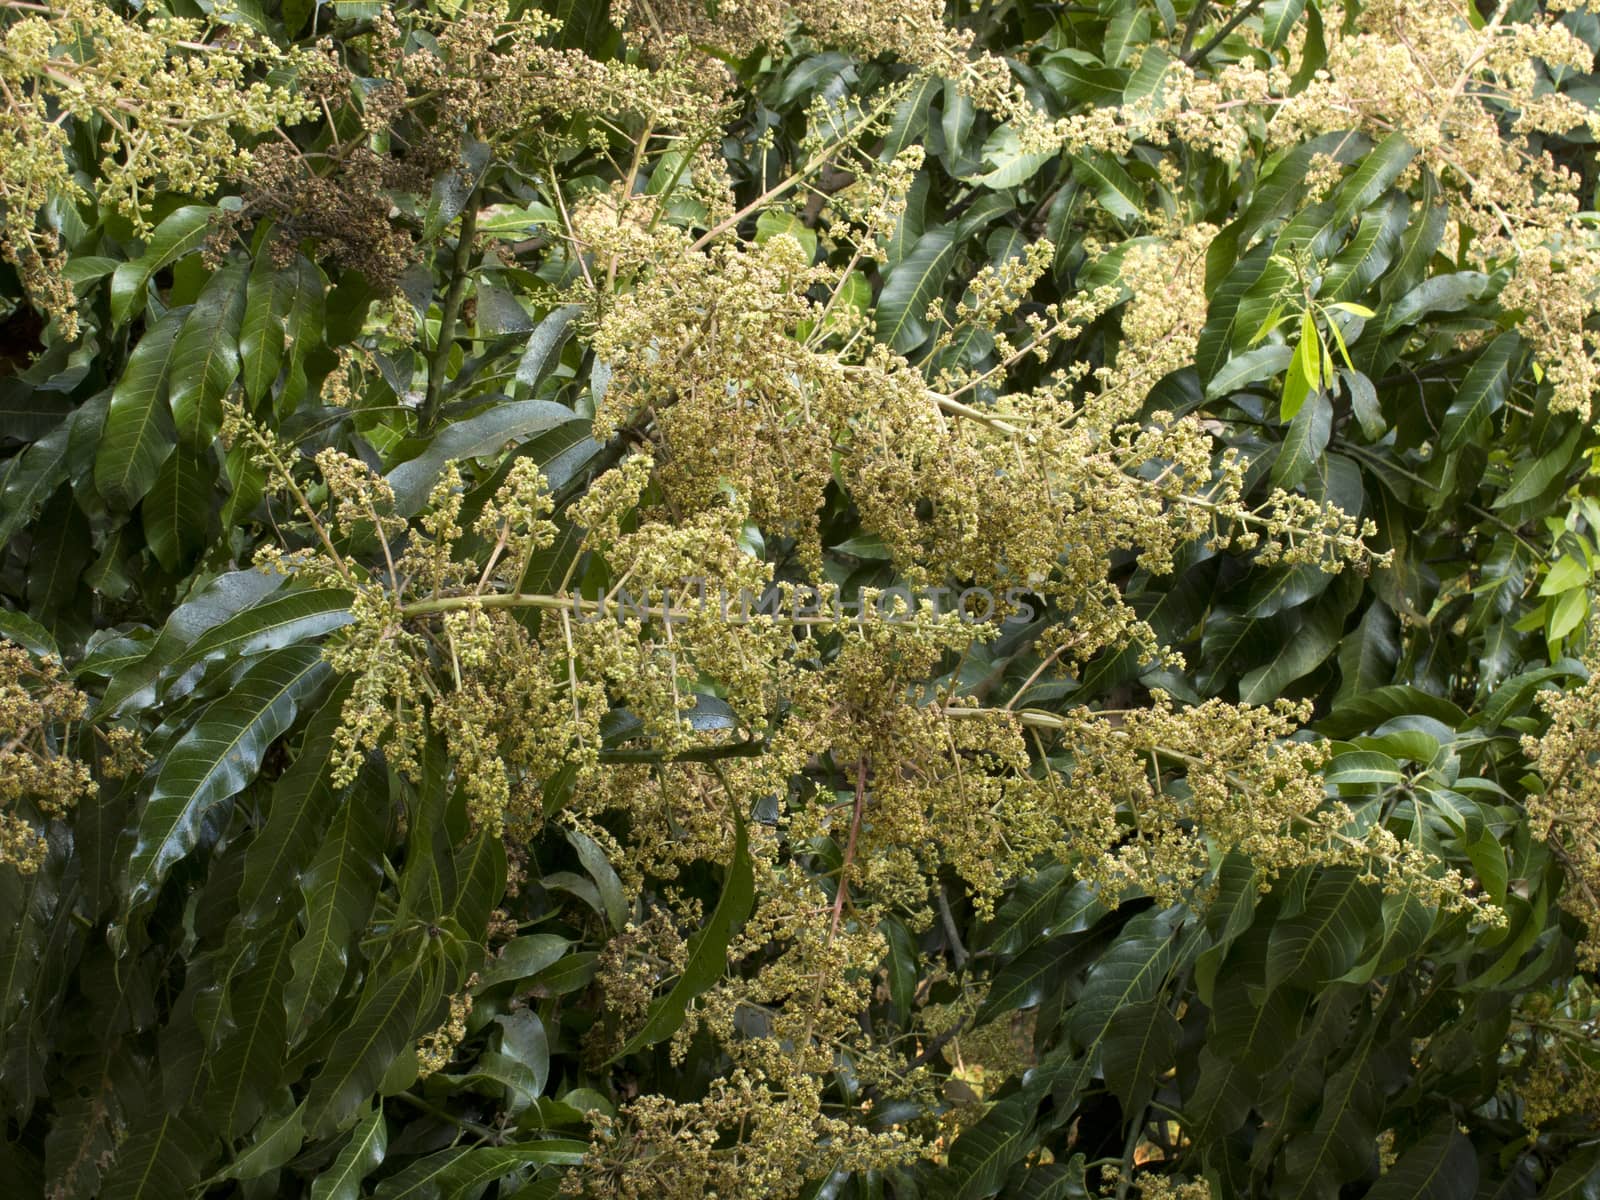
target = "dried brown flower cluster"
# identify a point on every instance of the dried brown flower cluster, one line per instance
(170, 98)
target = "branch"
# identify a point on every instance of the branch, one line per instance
(450, 310)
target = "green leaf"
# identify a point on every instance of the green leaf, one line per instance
(215, 759)
(139, 431)
(1048, 903)
(775, 221)
(1418, 243)
(180, 233)
(1481, 394)
(1277, 19)
(1118, 194)
(605, 878)
(1372, 178)
(1340, 1145)
(1133, 970)
(984, 1154)
(522, 958)
(1306, 439)
(542, 354)
(160, 1160)
(1362, 766)
(1025, 980)
(1223, 1095)
(485, 434)
(1253, 366)
(1129, 27)
(383, 1026)
(1322, 942)
(275, 1144)
(248, 1067)
(268, 298)
(1442, 293)
(911, 285)
(337, 891)
(206, 357)
(450, 1174)
(1441, 1166)
(359, 1157)
(1139, 1045)
(1537, 475)
(29, 479)
(1009, 165)
(28, 633)
(708, 949)
(176, 512)
(282, 619)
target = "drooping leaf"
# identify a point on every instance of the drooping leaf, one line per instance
(215, 759)
(359, 1157)
(139, 430)
(205, 358)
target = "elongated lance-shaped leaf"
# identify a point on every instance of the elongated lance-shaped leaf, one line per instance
(177, 510)
(299, 810)
(1441, 1166)
(464, 1172)
(359, 1157)
(139, 431)
(337, 889)
(282, 619)
(543, 352)
(206, 357)
(1340, 1145)
(1372, 178)
(1482, 393)
(911, 284)
(247, 1069)
(1131, 971)
(1417, 243)
(1112, 186)
(982, 1156)
(216, 602)
(1323, 942)
(486, 433)
(216, 759)
(1138, 1046)
(276, 1142)
(270, 296)
(180, 232)
(1220, 333)
(397, 998)
(30, 478)
(708, 949)
(161, 1158)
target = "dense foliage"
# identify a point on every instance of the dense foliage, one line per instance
(839, 599)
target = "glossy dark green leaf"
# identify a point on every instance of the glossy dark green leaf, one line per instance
(1481, 394)
(180, 233)
(1322, 943)
(359, 1157)
(216, 758)
(337, 889)
(383, 1025)
(205, 358)
(139, 430)
(983, 1155)
(488, 433)
(176, 512)
(911, 285)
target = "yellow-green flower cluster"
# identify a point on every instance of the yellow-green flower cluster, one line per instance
(40, 780)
